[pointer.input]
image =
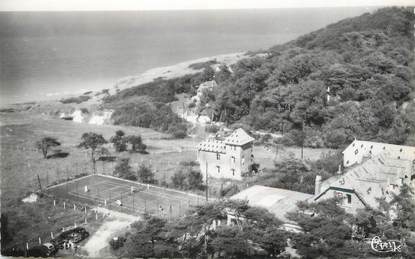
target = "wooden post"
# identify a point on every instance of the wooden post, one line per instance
(207, 182)
(40, 241)
(40, 185)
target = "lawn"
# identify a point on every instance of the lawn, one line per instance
(21, 163)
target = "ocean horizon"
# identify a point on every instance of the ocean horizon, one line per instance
(46, 54)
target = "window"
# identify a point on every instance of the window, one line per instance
(233, 172)
(218, 167)
(399, 157)
(349, 198)
(371, 146)
(400, 150)
(356, 151)
(347, 162)
(233, 159)
(217, 156)
(243, 160)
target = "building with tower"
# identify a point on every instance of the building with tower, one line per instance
(229, 157)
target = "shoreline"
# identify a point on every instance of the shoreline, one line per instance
(176, 70)
(165, 72)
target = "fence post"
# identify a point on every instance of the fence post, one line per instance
(54, 203)
(40, 241)
(64, 205)
(51, 235)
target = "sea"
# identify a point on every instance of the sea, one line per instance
(44, 55)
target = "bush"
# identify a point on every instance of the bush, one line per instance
(179, 180)
(77, 100)
(178, 130)
(212, 128)
(123, 170)
(146, 114)
(229, 190)
(187, 177)
(145, 174)
(117, 242)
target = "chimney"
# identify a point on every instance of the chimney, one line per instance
(317, 185)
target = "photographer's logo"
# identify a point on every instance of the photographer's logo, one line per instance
(386, 246)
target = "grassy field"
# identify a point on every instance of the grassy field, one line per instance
(105, 191)
(21, 162)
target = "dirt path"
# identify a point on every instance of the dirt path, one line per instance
(114, 223)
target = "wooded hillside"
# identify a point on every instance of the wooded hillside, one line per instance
(365, 65)
(352, 79)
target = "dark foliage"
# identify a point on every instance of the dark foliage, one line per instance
(145, 174)
(146, 114)
(347, 80)
(193, 237)
(45, 144)
(77, 100)
(123, 170)
(188, 176)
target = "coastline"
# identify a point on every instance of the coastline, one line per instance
(164, 72)
(176, 70)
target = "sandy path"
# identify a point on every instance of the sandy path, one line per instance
(114, 223)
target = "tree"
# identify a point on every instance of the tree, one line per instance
(178, 130)
(123, 170)
(119, 141)
(45, 144)
(5, 234)
(145, 174)
(327, 231)
(147, 239)
(274, 241)
(92, 141)
(230, 242)
(137, 144)
(179, 179)
(405, 208)
(195, 179)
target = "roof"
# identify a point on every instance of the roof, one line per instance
(277, 201)
(372, 179)
(239, 137)
(212, 145)
(391, 148)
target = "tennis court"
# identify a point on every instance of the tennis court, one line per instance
(127, 196)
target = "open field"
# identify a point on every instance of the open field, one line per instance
(21, 162)
(136, 198)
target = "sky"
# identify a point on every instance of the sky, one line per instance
(107, 5)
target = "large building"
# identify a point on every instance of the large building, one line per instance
(372, 171)
(358, 150)
(229, 157)
(275, 200)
